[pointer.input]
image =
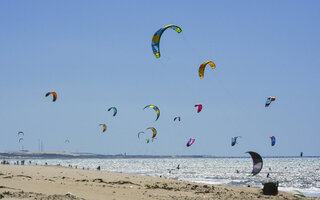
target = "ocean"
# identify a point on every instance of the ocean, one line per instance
(301, 174)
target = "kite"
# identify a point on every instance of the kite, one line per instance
(190, 142)
(104, 127)
(20, 139)
(155, 108)
(257, 162)
(269, 100)
(203, 66)
(154, 132)
(53, 94)
(67, 141)
(296, 193)
(273, 140)
(301, 154)
(114, 110)
(20, 132)
(140, 133)
(156, 38)
(234, 140)
(179, 118)
(148, 140)
(199, 107)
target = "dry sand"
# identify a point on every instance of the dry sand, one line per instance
(56, 182)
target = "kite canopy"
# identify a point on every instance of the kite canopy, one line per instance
(156, 38)
(273, 140)
(179, 118)
(190, 142)
(141, 132)
(203, 66)
(148, 140)
(301, 154)
(155, 108)
(199, 107)
(20, 132)
(269, 100)
(257, 162)
(20, 139)
(104, 127)
(67, 141)
(154, 132)
(54, 95)
(114, 110)
(234, 140)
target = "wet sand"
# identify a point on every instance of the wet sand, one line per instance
(57, 182)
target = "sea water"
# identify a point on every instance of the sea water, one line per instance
(301, 174)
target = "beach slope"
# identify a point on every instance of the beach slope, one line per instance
(56, 182)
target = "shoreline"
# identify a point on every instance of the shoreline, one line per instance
(58, 182)
(67, 155)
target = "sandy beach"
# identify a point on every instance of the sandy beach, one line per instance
(57, 182)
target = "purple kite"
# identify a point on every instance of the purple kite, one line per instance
(190, 142)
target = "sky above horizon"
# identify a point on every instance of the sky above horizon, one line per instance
(97, 54)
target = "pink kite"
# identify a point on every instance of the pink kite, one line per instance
(199, 107)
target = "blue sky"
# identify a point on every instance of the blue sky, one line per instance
(97, 54)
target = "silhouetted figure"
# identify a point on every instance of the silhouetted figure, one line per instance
(178, 166)
(237, 171)
(268, 175)
(270, 188)
(98, 168)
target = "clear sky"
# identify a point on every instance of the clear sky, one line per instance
(97, 54)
